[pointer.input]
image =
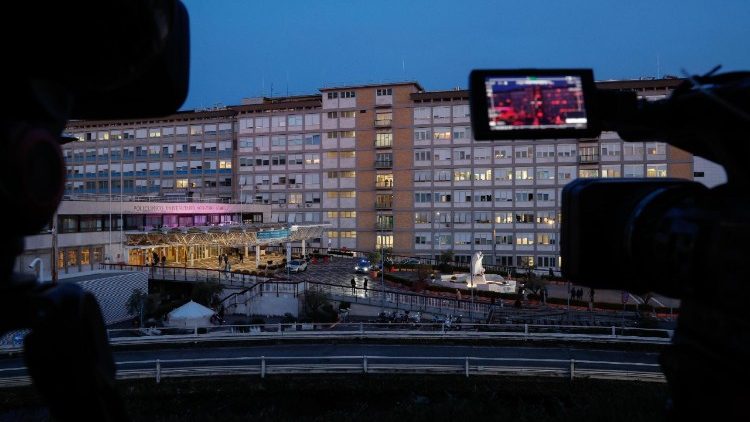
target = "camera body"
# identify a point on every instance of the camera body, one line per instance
(675, 237)
(114, 59)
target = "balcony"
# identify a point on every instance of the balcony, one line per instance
(383, 123)
(384, 226)
(588, 158)
(384, 205)
(383, 164)
(384, 184)
(384, 144)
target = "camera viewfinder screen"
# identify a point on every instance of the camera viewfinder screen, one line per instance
(535, 102)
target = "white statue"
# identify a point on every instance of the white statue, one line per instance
(477, 270)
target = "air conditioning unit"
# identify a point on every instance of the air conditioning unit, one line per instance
(308, 205)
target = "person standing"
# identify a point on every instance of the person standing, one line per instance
(354, 285)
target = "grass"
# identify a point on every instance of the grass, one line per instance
(372, 398)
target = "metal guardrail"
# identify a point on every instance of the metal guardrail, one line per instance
(379, 331)
(367, 364)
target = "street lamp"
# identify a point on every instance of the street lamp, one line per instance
(471, 310)
(382, 266)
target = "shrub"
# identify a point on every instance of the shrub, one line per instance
(344, 305)
(288, 319)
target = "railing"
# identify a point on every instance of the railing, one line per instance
(190, 274)
(387, 184)
(381, 164)
(366, 364)
(383, 144)
(385, 298)
(383, 122)
(384, 226)
(382, 205)
(588, 158)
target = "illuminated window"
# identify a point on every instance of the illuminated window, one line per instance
(588, 173)
(461, 175)
(182, 183)
(656, 170)
(524, 239)
(383, 139)
(441, 133)
(384, 241)
(225, 164)
(524, 173)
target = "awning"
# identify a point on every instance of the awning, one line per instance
(230, 235)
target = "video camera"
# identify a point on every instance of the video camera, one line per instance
(91, 60)
(670, 236)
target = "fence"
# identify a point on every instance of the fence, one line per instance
(465, 365)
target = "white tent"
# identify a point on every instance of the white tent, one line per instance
(190, 315)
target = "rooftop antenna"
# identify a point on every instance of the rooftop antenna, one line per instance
(287, 83)
(403, 68)
(658, 67)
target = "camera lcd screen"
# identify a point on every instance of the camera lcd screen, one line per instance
(532, 104)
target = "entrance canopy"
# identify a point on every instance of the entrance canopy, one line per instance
(234, 235)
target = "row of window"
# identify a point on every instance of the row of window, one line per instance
(423, 115)
(551, 173)
(101, 222)
(151, 167)
(144, 185)
(447, 218)
(500, 195)
(292, 159)
(524, 152)
(147, 151)
(295, 198)
(480, 238)
(342, 94)
(157, 132)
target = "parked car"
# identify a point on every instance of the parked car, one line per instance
(296, 265)
(410, 261)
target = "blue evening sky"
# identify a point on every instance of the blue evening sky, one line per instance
(247, 48)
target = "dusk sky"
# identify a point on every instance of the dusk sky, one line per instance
(247, 48)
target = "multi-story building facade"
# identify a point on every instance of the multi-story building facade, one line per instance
(386, 165)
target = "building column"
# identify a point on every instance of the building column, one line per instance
(257, 256)
(303, 248)
(245, 251)
(192, 256)
(288, 251)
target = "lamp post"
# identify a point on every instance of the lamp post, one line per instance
(382, 267)
(471, 309)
